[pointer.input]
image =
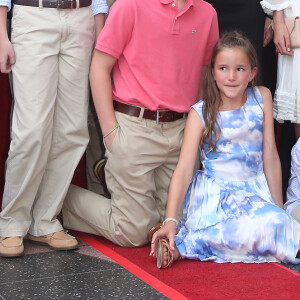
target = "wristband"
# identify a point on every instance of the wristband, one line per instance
(117, 125)
(170, 219)
(269, 16)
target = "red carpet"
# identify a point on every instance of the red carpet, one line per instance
(203, 280)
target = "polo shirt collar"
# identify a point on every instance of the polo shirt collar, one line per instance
(166, 1)
(189, 2)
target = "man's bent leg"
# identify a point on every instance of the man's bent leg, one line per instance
(86, 211)
(174, 133)
(296, 213)
(137, 150)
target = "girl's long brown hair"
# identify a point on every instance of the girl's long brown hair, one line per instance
(211, 94)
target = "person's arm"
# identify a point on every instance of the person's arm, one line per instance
(99, 23)
(99, 9)
(101, 86)
(7, 55)
(182, 177)
(295, 169)
(111, 43)
(296, 159)
(281, 34)
(271, 161)
(268, 31)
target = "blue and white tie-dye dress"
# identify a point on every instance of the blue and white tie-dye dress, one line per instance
(229, 215)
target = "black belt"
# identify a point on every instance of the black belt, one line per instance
(160, 116)
(62, 4)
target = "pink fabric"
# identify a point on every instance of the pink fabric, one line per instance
(160, 52)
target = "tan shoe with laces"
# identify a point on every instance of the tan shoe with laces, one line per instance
(11, 246)
(60, 240)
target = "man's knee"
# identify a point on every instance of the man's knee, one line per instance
(296, 213)
(131, 235)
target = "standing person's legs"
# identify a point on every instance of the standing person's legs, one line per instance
(34, 98)
(70, 135)
(139, 148)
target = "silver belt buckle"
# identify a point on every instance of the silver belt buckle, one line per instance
(157, 116)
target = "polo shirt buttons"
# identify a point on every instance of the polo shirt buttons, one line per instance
(173, 4)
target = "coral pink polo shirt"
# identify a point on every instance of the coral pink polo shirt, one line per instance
(160, 52)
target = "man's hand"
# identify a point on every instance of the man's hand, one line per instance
(7, 54)
(268, 32)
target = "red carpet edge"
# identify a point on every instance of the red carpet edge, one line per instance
(287, 269)
(131, 267)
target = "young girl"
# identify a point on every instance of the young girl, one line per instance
(233, 208)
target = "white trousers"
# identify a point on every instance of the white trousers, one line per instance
(49, 123)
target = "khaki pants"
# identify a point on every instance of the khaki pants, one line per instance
(49, 123)
(296, 213)
(138, 172)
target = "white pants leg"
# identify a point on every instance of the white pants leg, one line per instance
(49, 130)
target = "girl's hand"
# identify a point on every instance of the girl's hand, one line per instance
(168, 231)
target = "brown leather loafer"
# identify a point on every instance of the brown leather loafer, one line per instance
(100, 174)
(60, 240)
(11, 246)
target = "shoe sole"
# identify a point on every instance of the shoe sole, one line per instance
(99, 164)
(53, 248)
(159, 254)
(12, 255)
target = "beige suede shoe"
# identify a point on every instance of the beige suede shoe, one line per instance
(60, 240)
(11, 246)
